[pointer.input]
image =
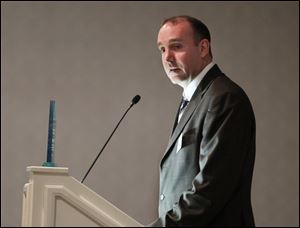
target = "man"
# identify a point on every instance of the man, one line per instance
(206, 171)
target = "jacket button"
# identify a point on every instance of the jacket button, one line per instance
(162, 196)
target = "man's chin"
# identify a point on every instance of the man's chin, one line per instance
(176, 79)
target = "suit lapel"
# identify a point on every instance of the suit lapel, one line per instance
(176, 119)
(184, 119)
(195, 101)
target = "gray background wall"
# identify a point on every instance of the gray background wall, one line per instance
(93, 57)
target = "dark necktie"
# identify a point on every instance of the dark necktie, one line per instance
(183, 104)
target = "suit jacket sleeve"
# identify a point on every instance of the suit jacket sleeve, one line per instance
(226, 137)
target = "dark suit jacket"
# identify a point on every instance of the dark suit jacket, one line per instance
(208, 181)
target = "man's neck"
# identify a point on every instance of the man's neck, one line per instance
(192, 86)
(184, 84)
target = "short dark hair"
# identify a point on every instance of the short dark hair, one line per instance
(200, 29)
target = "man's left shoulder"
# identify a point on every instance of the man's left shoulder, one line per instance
(224, 84)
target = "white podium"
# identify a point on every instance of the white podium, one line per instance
(53, 198)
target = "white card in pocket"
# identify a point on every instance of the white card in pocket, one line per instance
(179, 143)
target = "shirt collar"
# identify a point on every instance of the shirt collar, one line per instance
(191, 88)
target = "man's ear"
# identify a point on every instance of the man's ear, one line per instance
(204, 47)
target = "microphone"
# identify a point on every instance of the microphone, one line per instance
(134, 101)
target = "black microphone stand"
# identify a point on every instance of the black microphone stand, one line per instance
(134, 101)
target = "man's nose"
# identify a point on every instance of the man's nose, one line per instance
(169, 56)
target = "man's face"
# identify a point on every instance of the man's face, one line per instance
(181, 56)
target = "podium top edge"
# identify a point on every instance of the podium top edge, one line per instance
(43, 169)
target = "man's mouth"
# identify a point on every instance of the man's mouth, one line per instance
(174, 69)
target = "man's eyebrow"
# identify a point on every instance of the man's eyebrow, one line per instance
(170, 41)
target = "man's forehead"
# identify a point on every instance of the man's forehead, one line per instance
(170, 32)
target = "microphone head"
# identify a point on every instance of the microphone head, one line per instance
(136, 99)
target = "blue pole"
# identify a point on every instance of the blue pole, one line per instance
(51, 135)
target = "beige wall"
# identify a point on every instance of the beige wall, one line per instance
(92, 58)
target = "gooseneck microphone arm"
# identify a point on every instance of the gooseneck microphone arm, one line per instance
(135, 100)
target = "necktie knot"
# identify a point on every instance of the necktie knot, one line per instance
(183, 104)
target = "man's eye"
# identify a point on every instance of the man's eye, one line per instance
(162, 50)
(176, 46)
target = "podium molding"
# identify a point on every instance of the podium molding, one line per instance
(53, 198)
